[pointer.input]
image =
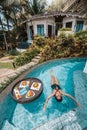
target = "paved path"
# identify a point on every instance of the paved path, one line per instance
(5, 59)
(6, 73)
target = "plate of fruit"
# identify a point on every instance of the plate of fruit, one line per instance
(24, 84)
(30, 93)
(35, 86)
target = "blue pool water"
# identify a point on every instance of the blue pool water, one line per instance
(30, 115)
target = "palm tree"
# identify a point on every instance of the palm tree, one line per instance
(36, 6)
(13, 12)
(15, 9)
(56, 5)
(3, 33)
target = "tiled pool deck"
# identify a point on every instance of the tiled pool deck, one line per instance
(77, 118)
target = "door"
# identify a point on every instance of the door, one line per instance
(50, 31)
(31, 32)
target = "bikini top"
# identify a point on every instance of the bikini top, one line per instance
(56, 86)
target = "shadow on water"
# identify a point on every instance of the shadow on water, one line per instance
(36, 105)
(7, 107)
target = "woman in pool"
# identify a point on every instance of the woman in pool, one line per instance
(57, 92)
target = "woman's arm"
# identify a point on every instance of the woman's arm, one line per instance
(68, 95)
(51, 95)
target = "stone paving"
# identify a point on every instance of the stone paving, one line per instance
(77, 118)
(5, 59)
(6, 73)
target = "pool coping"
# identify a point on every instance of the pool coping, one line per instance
(8, 89)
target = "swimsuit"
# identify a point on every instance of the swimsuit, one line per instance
(57, 87)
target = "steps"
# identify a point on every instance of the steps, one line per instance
(22, 119)
(8, 126)
(72, 120)
(36, 58)
(76, 119)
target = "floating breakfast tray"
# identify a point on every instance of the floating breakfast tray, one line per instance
(27, 90)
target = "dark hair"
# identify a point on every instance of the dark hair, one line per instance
(59, 100)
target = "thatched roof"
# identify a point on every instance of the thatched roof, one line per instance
(52, 14)
(76, 6)
(55, 14)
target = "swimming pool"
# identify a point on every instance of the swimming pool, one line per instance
(30, 115)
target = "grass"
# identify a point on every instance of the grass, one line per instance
(6, 65)
(4, 84)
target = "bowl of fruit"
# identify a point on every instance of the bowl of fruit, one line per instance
(30, 93)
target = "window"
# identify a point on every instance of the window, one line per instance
(69, 25)
(79, 26)
(40, 29)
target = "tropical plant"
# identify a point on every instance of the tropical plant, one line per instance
(82, 36)
(13, 12)
(56, 5)
(27, 56)
(13, 52)
(39, 41)
(65, 29)
(36, 6)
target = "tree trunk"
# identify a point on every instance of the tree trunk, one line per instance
(5, 41)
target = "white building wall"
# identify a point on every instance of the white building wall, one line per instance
(74, 20)
(69, 19)
(45, 22)
(28, 32)
(37, 22)
(51, 21)
(85, 25)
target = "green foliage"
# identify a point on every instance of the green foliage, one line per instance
(65, 29)
(36, 6)
(71, 38)
(39, 41)
(1, 54)
(13, 52)
(12, 57)
(62, 35)
(4, 84)
(81, 36)
(65, 40)
(27, 56)
(6, 65)
(63, 46)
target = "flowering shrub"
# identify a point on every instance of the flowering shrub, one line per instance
(65, 29)
(27, 56)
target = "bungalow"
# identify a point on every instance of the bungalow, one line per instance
(48, 24)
